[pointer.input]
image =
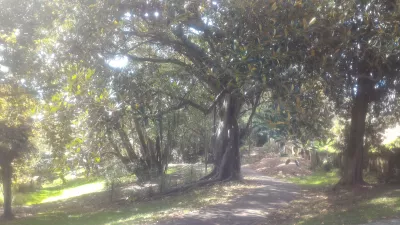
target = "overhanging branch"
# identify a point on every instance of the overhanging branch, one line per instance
(204, 109)
(157, 60)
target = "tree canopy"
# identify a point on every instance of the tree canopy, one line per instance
(142, 82)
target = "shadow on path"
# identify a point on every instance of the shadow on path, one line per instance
(250, 209)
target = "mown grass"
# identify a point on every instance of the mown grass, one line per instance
(143, 212)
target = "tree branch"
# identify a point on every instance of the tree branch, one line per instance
(253, 112)
(157, 60)
(204, 109)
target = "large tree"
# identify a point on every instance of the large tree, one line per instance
(230, 50)
(355, 44)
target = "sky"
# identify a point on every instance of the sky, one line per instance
(391, 134)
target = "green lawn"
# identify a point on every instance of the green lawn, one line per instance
(142, 212)
(321, 205)
(385, 205)
(317, 179)
(56, 191)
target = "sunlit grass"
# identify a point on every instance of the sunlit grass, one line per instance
(145, 212)
(57, 191)
(171, 170)
(77, 191)
(317, 179)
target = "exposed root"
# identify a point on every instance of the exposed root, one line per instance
(211, 179)
(210, 175)
(342, 183)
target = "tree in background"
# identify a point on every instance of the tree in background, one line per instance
(356, 56)
(15, 130)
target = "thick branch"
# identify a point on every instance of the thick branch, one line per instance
(253, 112)
(157, 60)
(204, 109)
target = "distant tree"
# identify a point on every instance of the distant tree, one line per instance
(15, 130)
(14, 141)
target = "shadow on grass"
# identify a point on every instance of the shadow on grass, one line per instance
(138, 212)
(383, 206)
(348, 206)
(320, 205)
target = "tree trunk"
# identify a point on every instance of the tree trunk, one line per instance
(352, 173)
(226, 146)
(6, 171)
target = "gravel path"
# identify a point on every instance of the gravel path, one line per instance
(250, 209)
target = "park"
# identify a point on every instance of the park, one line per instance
(199, 112)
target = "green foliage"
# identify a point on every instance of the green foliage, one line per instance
(394, 144)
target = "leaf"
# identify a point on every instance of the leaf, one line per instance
(298, 103)
(299, 3)
(312, 21)
(305, 24)
(89, 73)
(313, 52)
(74, 77)
(274, 6)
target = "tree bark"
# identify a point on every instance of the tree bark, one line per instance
(6, 172)
(352, 173)
(226, 146)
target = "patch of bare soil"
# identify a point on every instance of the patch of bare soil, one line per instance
(275, 166)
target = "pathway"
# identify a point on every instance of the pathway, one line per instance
(250, 209)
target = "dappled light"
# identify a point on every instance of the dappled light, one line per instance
(222, 112)
(77, 191)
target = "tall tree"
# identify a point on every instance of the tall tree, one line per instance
(230, 49)
(14, 137)
(356, 53)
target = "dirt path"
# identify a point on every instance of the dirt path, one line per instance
(250, 209)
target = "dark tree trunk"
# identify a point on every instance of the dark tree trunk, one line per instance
(6, 172)
(352, 173)
(226, 146)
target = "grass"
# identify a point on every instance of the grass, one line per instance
(320, 205)
(386, 204)
(57, 191)
(143, 212)
(317, 179)
(76, 190)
